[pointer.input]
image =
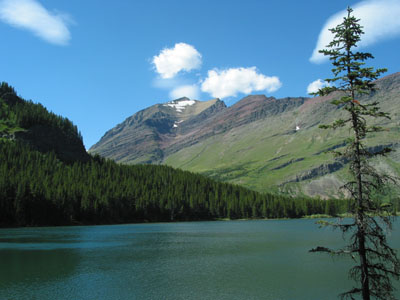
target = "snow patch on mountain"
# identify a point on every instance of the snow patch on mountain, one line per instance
(176, 123)
(180, 105)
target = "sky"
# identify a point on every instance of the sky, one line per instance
(98, 62)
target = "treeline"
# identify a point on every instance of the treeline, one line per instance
(42, 130)
(39, 189)
(26, 114)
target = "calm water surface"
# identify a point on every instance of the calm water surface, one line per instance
(196, 260)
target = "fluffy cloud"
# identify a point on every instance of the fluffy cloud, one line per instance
(230, 82)
(380, 19)
(32, 16)
(190, 91)
(182, 57)
(314, 86)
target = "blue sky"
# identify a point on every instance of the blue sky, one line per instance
(98, 62)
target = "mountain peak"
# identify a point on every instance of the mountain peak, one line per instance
(180, 104)
(252, 100)
(181, 99)
(142, 137)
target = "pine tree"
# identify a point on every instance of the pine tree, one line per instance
(377, 262)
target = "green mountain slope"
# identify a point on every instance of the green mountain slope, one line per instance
(271, 152)
(266, 143)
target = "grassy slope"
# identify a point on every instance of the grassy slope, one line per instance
(249, 154)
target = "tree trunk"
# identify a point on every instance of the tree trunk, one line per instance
(363, 261)
(360, 211)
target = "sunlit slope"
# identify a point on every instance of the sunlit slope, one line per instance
(271, 153)
(260, 142)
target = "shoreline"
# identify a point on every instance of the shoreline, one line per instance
(76, 224)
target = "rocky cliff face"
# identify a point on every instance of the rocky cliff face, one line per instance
(260, 142)
(148, 134)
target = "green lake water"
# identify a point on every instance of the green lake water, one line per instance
(191, 260)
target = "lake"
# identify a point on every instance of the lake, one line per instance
(263, 259)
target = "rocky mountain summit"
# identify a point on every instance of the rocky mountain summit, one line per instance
(260, 142)
(146, 136)
(152, 134)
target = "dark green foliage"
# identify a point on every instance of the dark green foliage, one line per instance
(39, 189)
(377, 262)
(8, 122)
(35, 125)
(27, 114)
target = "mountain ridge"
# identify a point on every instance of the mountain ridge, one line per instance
(262, 142)
(150, 130)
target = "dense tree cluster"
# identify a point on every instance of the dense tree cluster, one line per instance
(25, 114)
(39, 189)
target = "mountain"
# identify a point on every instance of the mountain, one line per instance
(144, 137)
(260, 142)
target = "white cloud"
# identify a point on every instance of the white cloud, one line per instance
(380, 19)
(230, 82)
(190, 91)
(182, 57)
(314, 86)
(32, 16)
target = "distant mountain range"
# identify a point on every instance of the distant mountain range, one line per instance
(260, 142)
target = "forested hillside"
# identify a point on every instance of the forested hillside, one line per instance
(39, 189)
(43, 183)
(33, 124)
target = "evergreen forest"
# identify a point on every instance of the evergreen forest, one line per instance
(47, 178)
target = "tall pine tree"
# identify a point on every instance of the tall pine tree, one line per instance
(377, 262)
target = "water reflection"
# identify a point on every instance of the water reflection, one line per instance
(35, 266)
(34, 258)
